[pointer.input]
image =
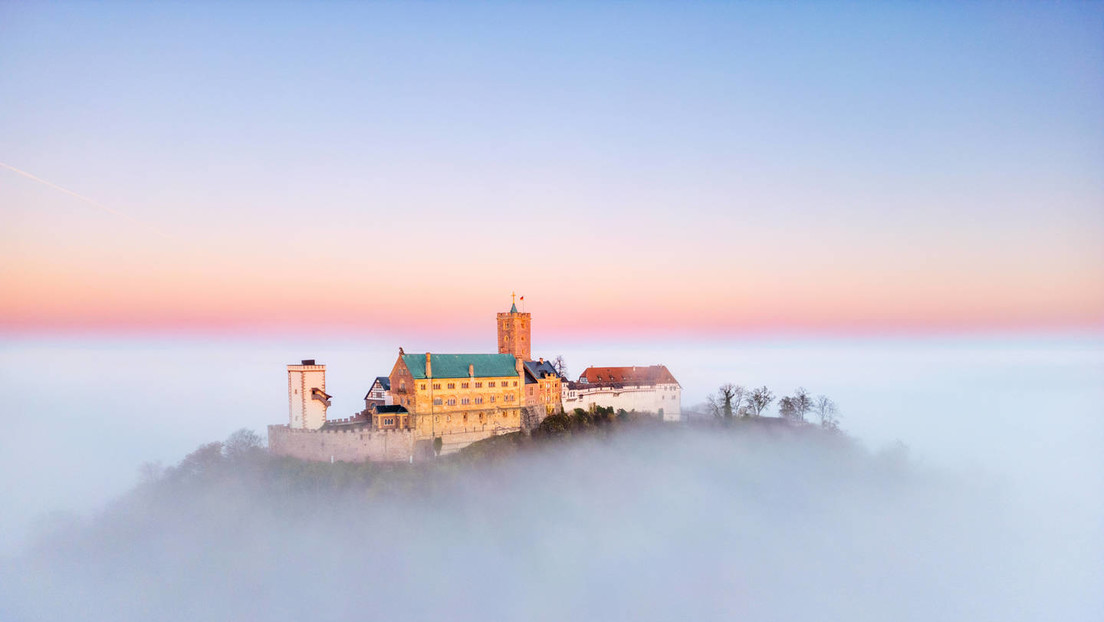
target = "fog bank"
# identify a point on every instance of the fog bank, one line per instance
(84, 413)
(679, 524)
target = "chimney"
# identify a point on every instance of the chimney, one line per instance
(517, 364)
(401, 351)
(471, 370)
(429, 367)
(308, 362)
(542, 360)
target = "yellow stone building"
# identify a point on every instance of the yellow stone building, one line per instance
(447, 394)
(441, 395)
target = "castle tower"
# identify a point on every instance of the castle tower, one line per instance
(513, 332)
(307, 398)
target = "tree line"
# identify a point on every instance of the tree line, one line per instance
(733, 401)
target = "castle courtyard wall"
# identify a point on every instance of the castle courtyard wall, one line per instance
(363, 444)
(357, 444)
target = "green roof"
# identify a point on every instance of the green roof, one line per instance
(513, 308)
(456, 365)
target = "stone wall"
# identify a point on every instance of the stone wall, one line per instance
(457, 440)
(354, 444)
(363, 444)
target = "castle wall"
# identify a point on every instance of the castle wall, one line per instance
(355, 444)
(466, 421)
(457, 439)
(363, 444)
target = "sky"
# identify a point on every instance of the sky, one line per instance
(674, 169)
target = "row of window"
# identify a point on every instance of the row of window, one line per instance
(448, 418)
(440, 401)
(464, 385)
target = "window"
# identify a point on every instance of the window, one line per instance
(452, 385)
(423, 386)
(436, 385)
(491, 384)
(492, 399)
(389, 421)
(463, 385)
(515, 383)
(402, 386)
(479, 400)
(465, 400)
(448, 418)
(452, 401)
(479, 385)
(436, 401)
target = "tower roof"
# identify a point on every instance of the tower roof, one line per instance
(513, 308)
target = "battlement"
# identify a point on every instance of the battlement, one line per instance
(359, 443)
(347, 443)
(360, 417)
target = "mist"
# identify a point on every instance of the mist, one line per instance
(991, 506)
(649, 524)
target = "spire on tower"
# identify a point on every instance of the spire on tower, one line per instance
(513, 302)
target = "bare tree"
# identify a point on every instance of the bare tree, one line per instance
(802, 403)
(713, 405)
(759, 399)
(726, 402)
(826, 410)
(560, 365)
(731, 396)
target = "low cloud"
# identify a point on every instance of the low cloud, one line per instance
(657, 524)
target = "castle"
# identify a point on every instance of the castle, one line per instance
(439, 403)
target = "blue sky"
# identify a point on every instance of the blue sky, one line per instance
(943, 141)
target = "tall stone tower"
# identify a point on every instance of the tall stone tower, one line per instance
(513, 332)
(307, 399)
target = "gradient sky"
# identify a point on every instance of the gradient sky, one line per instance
(638, 170)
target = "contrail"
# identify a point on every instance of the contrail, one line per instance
(83, 198)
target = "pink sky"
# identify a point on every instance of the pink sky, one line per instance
(111, 277)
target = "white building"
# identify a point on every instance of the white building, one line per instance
(649, 389)
(307, 398)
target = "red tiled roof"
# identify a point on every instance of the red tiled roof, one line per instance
(653, 374)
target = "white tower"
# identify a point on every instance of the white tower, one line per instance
(307, 398)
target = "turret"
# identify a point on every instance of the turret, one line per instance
(307, 397)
